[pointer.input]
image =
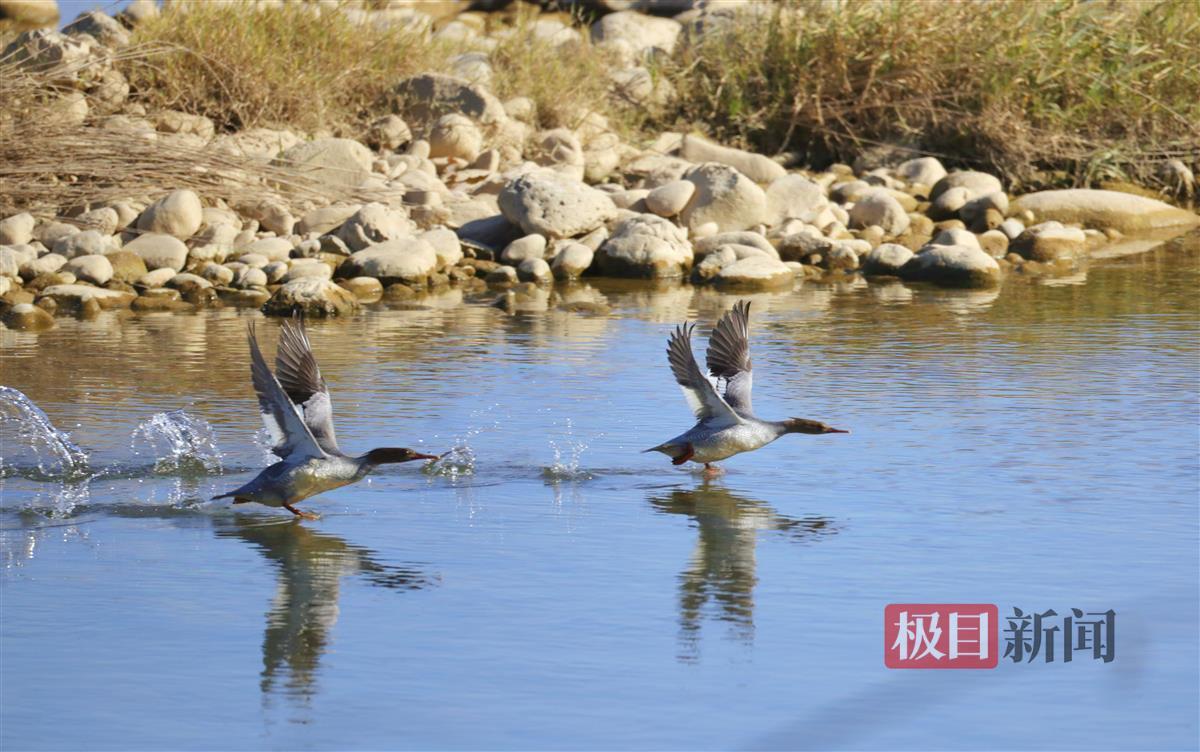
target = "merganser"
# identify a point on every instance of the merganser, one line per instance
(721, 400)
(299, 416)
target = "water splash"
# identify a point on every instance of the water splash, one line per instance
(455, 463)
(568, 452)
(179, 443)
(57, 456)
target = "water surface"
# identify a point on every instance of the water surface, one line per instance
(551, 587)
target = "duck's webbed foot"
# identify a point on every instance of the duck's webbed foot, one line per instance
(688, 452)
(302, 515)
(712, 471)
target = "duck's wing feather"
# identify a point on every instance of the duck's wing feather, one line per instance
(728, 357)
(292, 439)
(702, 397)
(298, 374)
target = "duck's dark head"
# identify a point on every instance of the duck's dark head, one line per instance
(393, 455)
(803, 425)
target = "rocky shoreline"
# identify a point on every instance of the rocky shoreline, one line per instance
(455, 188)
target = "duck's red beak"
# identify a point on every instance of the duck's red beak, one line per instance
(418, 456)
(835, 430)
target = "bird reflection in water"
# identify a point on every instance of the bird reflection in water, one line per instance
(723, 566)
(305, 608)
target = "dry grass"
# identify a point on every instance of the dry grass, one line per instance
(1048, 92)
(1092, 90)
(49, 161)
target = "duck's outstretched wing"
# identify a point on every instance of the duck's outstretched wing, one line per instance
(702, 397)
(728, 357)
(292, 439)
(298, 374)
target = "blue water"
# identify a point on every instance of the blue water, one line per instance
(1033, 447)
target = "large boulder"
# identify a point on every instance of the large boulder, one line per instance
(553, 205)
(425, 98)
(952, 266)
(922, 171)
(17, 229)
(408, 260)
(374, 223)
(758, 168)
(794, 197)
(885, 259)
(974, 184)
(755, 272)
(646, 246)
(725, 197)
(879, 207)
(75, 297)
(159, 251)
(339, 163)
(27, 317)
(326, 219)
(94, 269)
(643, 34)
(178, 213)
(311, 296)
(1103, 209)
(1050, 241)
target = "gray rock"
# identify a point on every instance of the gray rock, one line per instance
(17, 229)
(956, 236)
(95, 269)
(104, 220)
(1050, 241)
(27, 317)
(159, 251)
(316, 269)
(534, 270)
(550, 204)
(337, 163)
(445, 244)
(178, 214)
(375, 223)
(275, 271)
(44, 264)
(976, 184)
(99, 26)
(670, 199)
(217, 274)
(646, 246)
(704, 246)
(755, 273)
(311, 296)
(425, 98)
(364, 288)
(952, 266)
(326, 219)
(530, 246)
(725, 197)
(272, 249)
(571, 261)
(794, 196)
(758, 168)
(1103, 210)
(886, 260)
(157, 278)
(455, 136)
(407, 260)
(878, 207)
(75, 297)
(923, 170)
(86, 243)
(250, 276)
(642, 33)
(1012, 227)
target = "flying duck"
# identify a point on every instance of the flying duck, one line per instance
(721, 400)
(298, 413)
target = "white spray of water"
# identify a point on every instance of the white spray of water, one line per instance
(56, 453)
(179, 443)
(568, 453)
